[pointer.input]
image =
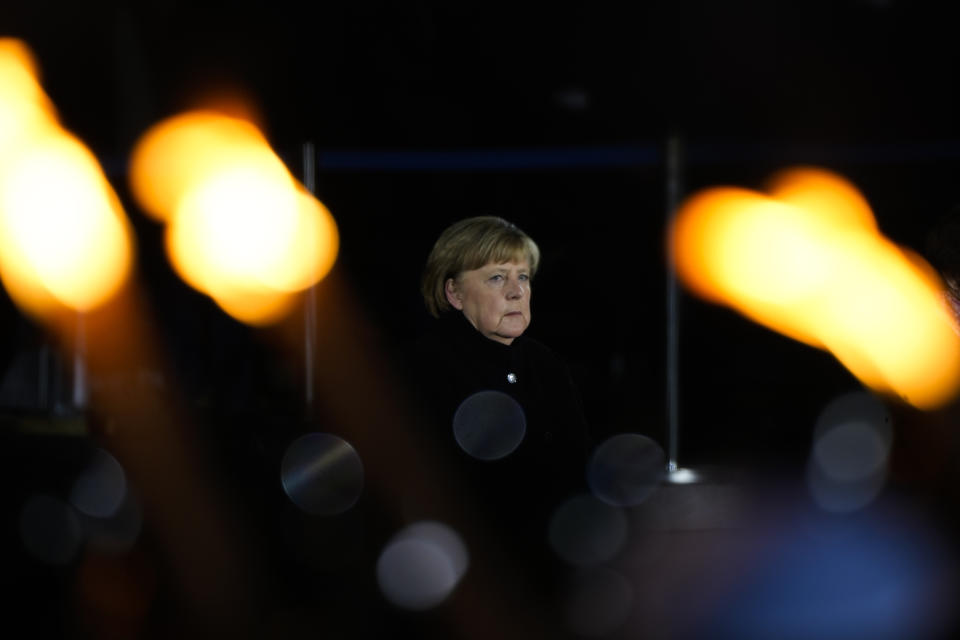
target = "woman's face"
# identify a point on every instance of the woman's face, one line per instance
(495, 299)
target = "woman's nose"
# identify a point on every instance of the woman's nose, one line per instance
(514, 289)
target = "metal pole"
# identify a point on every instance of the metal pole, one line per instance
(43, 378)
(310, 299)
(80, 386)
(674, 194)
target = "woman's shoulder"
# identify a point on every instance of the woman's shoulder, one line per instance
(534, 348)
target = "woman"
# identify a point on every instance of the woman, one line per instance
(477, 283)
(498, 404)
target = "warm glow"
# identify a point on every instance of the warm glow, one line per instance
(57, 207)
(183, 151)
(25, 110)
(312, 250)
(64, 240)
(258, 307)
(240, 228)
(243, 220)
(808, 261)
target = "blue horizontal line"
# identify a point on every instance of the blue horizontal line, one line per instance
(623, 157)
(490, 159)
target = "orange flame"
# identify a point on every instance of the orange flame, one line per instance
(64, 238)
(239, 226)
(25, 109)
(807, 260)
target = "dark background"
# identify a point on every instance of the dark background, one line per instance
(555, 117)
(572, 107)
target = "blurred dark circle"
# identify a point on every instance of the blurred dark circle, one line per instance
(100, 490)
(843, 497)
(445, 538)
(50, 530)
(856, 407)
(585, 531)
(847, 469)
(489, 425)
(851, 451)
(420, 567)
(625, 469)
(322, 474)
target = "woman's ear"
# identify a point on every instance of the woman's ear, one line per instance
(453, 295)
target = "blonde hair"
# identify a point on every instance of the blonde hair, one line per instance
(470, 244)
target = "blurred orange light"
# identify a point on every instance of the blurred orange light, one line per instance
(257, 307)
(244, 219)
(312, 249)
(808, 261)
(64, 239)
(239, 227)
(183, 151)
(25, 109)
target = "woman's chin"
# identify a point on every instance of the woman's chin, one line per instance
(512, 327)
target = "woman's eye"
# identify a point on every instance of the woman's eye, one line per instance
(496, 278)
(524, 277)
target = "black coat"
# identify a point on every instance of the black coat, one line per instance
(455, 361)
(517, 493)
